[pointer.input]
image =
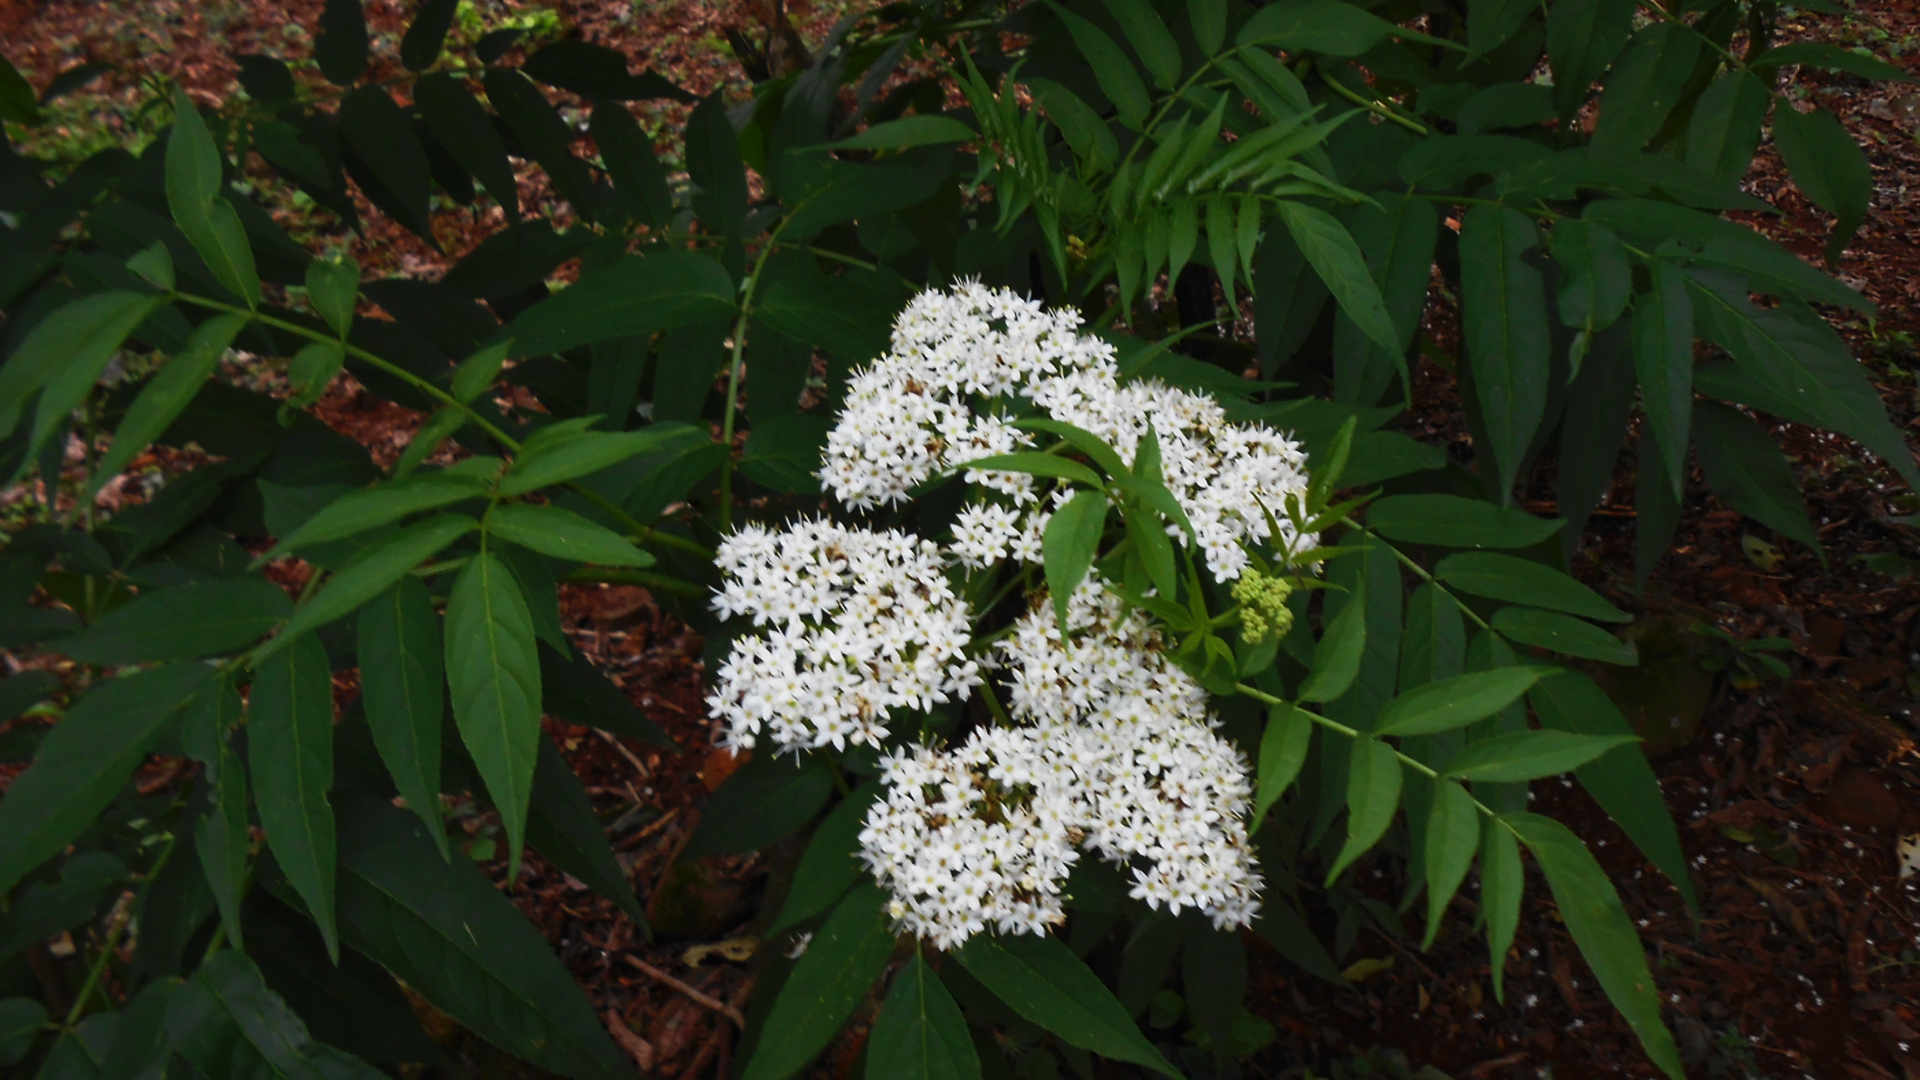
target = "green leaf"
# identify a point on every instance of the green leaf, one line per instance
(1453, 835)
(65, 354)
(716, 167)
(1115, 73)
(196, 197)
(83, 761)
(1797, 354)
(222, 842)
(448, 934)
(830, 865)
(1036, 464)
(1489, 25)
(464, 128)
(764, 800)
(290, 754)
(1150, 38)
(1330, 250)
(232, 985)
(1530, 755)
(1398, 238)
(920, 1033)
(1583, 37)
(1068, 547)
(1454, 702)
(1453, 521)
(369, 574)
(1373, 796)
(1822, 54)
(598, 72)
(1209, 24)
(1716, 240)
(575, 691)
(18, 102)
(1828, 165)
(543, 135)
(1502, 879)
(1643, 88)
(311, 370)
(562, 534)
(380, 504)
(1041, 979)
(404, 689)
(1563, 634)
(1663, 360)
(1504, 321)
(1283, 750)
(420, 46)
(477, 372)
(1724, 131)
(22, 1019)
(571, 454)
(380, 132)
(1523, 581)
(165, 396)
(1621, 781)
(1602, 929)
(1435, 643)
(563, 828)
(627, 154)
(154, 265)
(1596, 281)
(203, 618)
(333, 288)
(494, 672)
(846, 955)
(1338, 653)
(1743, 465)
(908, 132)
(638, 295)
(341, 46)
(1327, 27)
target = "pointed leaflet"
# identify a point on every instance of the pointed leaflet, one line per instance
(545, 136)
(1656, 513)
(1209, 18)
(196, 197)
(1398, 238)
(846, 955)
(1799, 357)
(463, 127)
(494, 673)
(341, 47)
(1373, 796)
(1453, 521)
(1502, 879)
(1828, 166)
(368, 574)
(1455, 702)
(1644, 87)
(1663, 359)
(1503, 316)
(1583, 37)
(1530, 755)
(222, 842)
(377, 130)
(830, 866)
(1159, 50)
(290, 754)
(1562, 634)
(405, 694)
(764, 800)
(1601, 928)
(1071, 540)
(1621, 781)
(1330, 250)
(1434, 645)
(77, 339)
(83, 761)
(1116, 74)
(1283, 750)
(1453, 835)
(426, 35)
(637, 295)
(1744, 465)
(1041, 979)
(920, 1033)
(1337, 655)
(380, 504)
(1724, 131)
(166, 395)
(563, 534)
(448, 934)
(230, 986)
(202, 618)
(628, 157)
(1523, 581)
(715, 166)
(552, 456)
(1595, 281)
(562, 826)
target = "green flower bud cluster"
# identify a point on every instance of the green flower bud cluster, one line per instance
(1264, 613)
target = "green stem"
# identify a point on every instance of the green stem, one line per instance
(1422, 571)
(121, 922)
(1369, 104)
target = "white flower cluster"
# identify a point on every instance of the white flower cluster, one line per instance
(857, 624)
(1113, 753)
(965, 364)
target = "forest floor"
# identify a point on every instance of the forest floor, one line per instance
(1793, 793)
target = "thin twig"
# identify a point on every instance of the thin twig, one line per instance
(619, 747)
(695, 996)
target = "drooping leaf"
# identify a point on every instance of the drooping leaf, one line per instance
(563, 828)
(1563, 634)
(1530, 755)
(461, 125)
(222, 843)
(545, 136)
(1434, 645)
(920, 1033)
(830, 865)
(628, 156)
(290, 755)
(83, 761)
(1338, 654)
(1724, 131)
(846, 955)
(1283, 750)
(202, 618)
(341, 46)
(1744, 466)
(420, 46)
(369, 574)
(1068, 547)
(1502, 880)
(1373, 797)
(1150, 38)
(377, 130)
(1454, 702)
(71, 346)
(1503, 319)
(1330, 249)
(404, 690)
(1663, 359)
(166, 395)
(1116, 74)
(1523, 581)
(1453, 521)
(493, 670)
(563, 534)
(1596, 281)
(1043, 982)
(1583, 37)
(230, 986)
(1643, 88)
(447, 933)
(716, 167)
(764, 800)
(1602, 929)
(1828, 165)
(1453, 836)
(635, 296)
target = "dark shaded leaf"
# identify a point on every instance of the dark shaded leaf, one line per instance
(205, 618)
(765, 799)
(341, 45)
(627, 155)
(1827, 165)
(1504, 321)
(290, 754)
(1453, 521)
(548, 140)
(420, 46)
(1563, 634)
(403, 687)
(1041, 979)
(633, 297)
(920, 1033)
(462, 126)
(1743, 465)
(563, 828)
(494, 673)
(846, 955)
(595, 71)
(1523, 581)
